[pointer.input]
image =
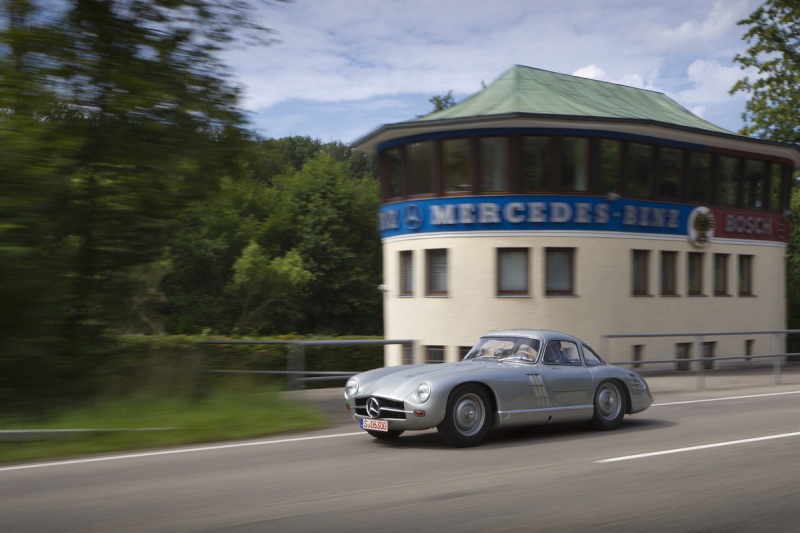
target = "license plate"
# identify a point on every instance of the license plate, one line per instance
(374, 424)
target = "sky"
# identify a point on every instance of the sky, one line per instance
(342, 68)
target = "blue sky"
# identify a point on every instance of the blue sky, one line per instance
(344, 67)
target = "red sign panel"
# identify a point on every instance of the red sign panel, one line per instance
(755, 225)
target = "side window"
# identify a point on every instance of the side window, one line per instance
(561, 353)
(591, 358)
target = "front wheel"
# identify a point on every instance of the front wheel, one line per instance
(467, 418)
(609, 406)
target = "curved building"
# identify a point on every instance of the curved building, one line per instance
(557, 202)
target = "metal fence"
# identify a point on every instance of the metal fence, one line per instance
(296, 372)
(701, 364)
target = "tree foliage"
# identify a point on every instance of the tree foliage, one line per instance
(116, 116)
(773, 110)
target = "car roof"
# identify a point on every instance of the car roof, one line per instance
(541, 334)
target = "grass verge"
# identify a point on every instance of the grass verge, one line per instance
(222, 414)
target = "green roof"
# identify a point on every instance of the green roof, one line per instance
(539, 92)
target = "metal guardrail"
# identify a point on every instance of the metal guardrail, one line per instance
(704, 363)
(297, 373)
(296, 359)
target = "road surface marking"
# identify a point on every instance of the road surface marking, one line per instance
(701, 447)
(725, 399)
(171, 452)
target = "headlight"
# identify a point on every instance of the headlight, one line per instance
(350, 388)
(423, 392)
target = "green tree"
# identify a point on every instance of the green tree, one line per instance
(116, 115)
(773, 110)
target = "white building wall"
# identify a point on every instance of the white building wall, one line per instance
(603, 303)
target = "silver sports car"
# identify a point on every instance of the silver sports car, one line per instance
(509, 378)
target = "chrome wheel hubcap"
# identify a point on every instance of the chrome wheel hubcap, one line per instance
(469, 414)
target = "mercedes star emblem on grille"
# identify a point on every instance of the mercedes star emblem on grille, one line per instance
(373, 408)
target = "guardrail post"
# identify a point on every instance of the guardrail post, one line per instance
(777, 348)
(296, 365)
(700, 358)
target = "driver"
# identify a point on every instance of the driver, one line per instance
(524, 351)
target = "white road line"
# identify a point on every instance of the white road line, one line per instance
(171, 452)
(725, 399)
(702, 447)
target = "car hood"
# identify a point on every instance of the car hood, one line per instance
(397, 382)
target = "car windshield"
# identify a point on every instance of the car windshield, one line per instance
(505, 348)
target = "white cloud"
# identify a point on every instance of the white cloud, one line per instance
(367, 54)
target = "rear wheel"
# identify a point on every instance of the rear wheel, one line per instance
(609, 406)
(468, 416)
(386, 435)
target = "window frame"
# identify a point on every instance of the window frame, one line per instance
(643, 287)
(570, 291)
(697, 271)
(745, 276)
(430, 289)
(513, 292)
(669, 258)
(406, 271)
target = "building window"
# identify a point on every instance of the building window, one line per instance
(575, 164)
(640, 272)
(420, 167)
(536, 163)
(463, 351)
(512, 271)
(610, 165)
(720, 274)
(408, 354)
(755, 182)
(727, 178)
(559, 271)
(668, 271)
(436, 270)
(394, 172)
(434, 354)
(683, 352)
(748, 348)
(670, 168)
(406, 273)
(455, 165)
(695, 274)
(698, 177)
(639, 170)
(745, 275)
(494, 163)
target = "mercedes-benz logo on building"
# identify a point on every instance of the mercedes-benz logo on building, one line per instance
(413, 218)
(373, 408)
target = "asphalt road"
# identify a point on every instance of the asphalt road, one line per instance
(720, 459)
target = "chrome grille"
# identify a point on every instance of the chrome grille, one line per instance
(390, 409)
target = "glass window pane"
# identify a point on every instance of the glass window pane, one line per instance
(755, 178)
(695, 274)
(745, 275)
(535, 163)
(437, 271)
(559, 271)
(699, 177)
(455, 165)
(727, 176)
(640, 272)
(610, 163)
(394, 171)
(420, 167)
(575, 164)
(512, 271)
(670, 166)
(668, 273)
(720, 274)
(406, 274)
(639, 170)
(494, 163)
(774, 186)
